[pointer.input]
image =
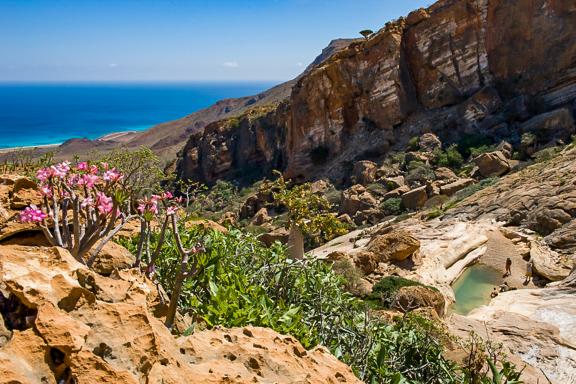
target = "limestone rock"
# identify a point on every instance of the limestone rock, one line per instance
(410, 298)
(261, 217)
(113, 257)
(393, 183)
(429, 142)
(364, 172)
(94, 329)
(24, 193)
(415, 199)
(548, 263)
(396, 192)
(355, 199)
(492, 164)
(279, 234)
(443, 173)
(452, 188)
(394, 246)
(558, 124)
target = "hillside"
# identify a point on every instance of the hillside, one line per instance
(459, 69)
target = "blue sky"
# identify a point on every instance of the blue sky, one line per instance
(176, 40)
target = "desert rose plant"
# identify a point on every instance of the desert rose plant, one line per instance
(84, 206)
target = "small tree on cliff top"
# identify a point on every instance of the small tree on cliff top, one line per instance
(366, 33)
(308, 214)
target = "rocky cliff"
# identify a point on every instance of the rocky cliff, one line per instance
(498, 68)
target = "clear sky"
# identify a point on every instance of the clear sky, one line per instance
(175, 40)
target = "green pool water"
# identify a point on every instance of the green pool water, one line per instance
(473, 288)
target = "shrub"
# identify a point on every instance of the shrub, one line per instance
(419, 173)
(414, 144)
(449, 158)
(476, 151)
(392, 206)
(386, 289)
(546, 154)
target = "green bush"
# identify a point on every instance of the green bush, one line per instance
(386, 289)
(413, 143)
(242, 282)
(546, 154)
(476, 151)
(450, 158)
(392, 206)
(419, 173)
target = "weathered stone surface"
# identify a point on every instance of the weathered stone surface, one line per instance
(355, 199)
(394, 182)
(113, 257)
(410, 298)
(492, 164)
(395, 246)
(278, 234)
(415, 199)
(110, 335)
(558, 124)
(396, 192)
(261, 217)
(454, 69)
(549, 264)
(364, 172)
(541, 197)
(429, 142)
(452, 188)
(444, 173)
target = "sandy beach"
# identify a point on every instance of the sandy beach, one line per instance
(120, 137)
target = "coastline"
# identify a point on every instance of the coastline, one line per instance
(120, 137)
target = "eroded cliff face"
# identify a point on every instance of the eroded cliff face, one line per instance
(459, 67)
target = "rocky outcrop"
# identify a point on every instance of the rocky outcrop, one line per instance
(69, 324)
(492, 164)
(456, 69)
(541, 197)
(394, 246)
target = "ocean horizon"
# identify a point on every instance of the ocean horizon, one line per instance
(34, 114)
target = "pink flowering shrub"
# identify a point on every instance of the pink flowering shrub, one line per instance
(84, 206)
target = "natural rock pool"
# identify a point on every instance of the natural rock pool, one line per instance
(472, 289)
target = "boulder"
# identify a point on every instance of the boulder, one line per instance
(113, 257)
(415, 199)
(369, 216)
(410, 298)
(24, 193)
(392, 183)
(433, 188)
(549, 264)
(429, 142)
(550, 126)
(366, 261)
(492, 164)
(88, 328)
(279, 234)
(355, 199)
(506, 149)
(416, 156)
(394, 246)
(452, 188)
(261, 217)
(444, 173)
(364, 172)
(417, 16)
(396, 192)
(228, 218)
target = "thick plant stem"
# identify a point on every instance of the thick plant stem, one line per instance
(186, 270)
(295, 243)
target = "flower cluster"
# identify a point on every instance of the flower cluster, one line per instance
(32, 214)
(151, 206)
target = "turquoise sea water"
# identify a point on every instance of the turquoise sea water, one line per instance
(37, 114)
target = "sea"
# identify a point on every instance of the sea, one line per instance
(50, 113)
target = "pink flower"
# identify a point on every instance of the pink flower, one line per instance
(94, 169)
(61, 170)
(87, 202)
(171, 210)
(44, 174)
(103, 203)
(45, 190)
(148, 206)
(83, 166)
(32, 215)
(88, 180)
(112, 175)
(167, 195)
(104, 166)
